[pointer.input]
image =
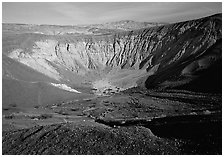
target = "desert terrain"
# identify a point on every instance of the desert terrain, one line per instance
(120, 88)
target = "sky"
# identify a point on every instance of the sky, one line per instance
(74, 13)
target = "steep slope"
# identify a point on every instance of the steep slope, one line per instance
(49, 76)
(25, 87)
(199, 73)
(15, 70)
(157, 51)
(29, 94)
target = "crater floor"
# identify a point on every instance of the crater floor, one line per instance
(154, 90)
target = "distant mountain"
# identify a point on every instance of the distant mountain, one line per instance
(128, 25)
(86, 77)
(91, 29)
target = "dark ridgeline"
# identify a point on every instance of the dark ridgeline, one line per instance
(188, 58)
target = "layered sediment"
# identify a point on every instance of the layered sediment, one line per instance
(150, 49)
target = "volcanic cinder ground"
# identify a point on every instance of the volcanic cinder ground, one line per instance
(118, 88)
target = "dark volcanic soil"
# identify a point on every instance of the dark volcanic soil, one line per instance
(86, 139)
(89, 138)
(132, 122)
(147, 91)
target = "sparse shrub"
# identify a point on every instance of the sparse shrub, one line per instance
(106, 104)
(62, 112)
(10, 116)
(93, 105)
(13, 105)
(45, 116)
(81, 114)
(5, 109)
(110, 109)
(87, 99)
(134, 114)
(74, 109)
(36, 106)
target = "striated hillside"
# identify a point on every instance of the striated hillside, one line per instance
(181, 50)
(117, 88)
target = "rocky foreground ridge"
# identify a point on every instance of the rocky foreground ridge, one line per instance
(179, 51)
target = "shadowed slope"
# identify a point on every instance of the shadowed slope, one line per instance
(185, 55)
(201, 73)
(161, 53)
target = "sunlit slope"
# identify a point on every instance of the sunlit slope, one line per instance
(154, 57)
